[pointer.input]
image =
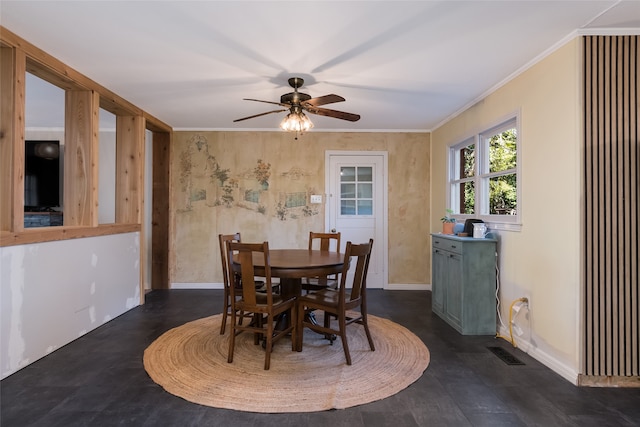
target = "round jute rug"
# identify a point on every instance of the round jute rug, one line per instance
(190, 361)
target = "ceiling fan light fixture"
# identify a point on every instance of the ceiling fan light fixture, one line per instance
(296, 122)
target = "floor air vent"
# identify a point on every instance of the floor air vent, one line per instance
(505, 356)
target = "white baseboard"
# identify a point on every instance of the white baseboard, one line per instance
(543, 357)
(408, 287)
(197, 286)
(390, 286)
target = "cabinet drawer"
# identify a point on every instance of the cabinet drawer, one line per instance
(447, 245)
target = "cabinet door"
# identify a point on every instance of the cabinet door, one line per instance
(438, 287)
(453, 297)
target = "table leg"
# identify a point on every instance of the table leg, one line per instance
(290, 287)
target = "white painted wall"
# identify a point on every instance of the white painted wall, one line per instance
(107, 168)
(52, 293)
(543, 260)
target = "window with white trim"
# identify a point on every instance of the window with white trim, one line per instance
(484, 175)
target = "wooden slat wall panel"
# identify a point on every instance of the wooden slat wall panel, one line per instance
(612, 94)
(129, 169)
(82, 109)
(8, 71)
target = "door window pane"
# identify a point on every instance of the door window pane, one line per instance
(356, 190)
(347, 174)
(347, 191)
(365, 207)
(365, 191)
(348, 207)
(365, 174)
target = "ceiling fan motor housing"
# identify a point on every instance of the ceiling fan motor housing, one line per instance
(294, 98)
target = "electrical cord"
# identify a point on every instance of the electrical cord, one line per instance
(498, 335)
(497, 292)
(511, 319)
(498, 299)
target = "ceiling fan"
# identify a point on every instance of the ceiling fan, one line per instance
(298, 102)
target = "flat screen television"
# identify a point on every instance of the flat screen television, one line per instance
(42, 175)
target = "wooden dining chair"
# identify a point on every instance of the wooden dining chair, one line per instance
(264, 306)
(323, 242)
(227, 280)
(346, 306)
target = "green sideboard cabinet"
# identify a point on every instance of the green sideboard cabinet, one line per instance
(464, 283)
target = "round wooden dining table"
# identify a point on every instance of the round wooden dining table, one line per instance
(291, 265)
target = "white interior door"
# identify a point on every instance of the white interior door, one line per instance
(357, 204)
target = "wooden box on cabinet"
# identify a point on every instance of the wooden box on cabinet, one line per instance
(464, 283)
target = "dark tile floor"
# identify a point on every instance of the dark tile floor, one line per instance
(99, 380)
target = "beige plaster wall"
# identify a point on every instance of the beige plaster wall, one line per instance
(203, 208)
(542, 261)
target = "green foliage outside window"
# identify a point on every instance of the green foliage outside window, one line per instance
(503, 157)
(502, 187)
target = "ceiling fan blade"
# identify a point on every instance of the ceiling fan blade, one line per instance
(323, 100)
(333, 113)
(267, 102)
(258, 115)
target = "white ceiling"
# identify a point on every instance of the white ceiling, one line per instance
(403, 66)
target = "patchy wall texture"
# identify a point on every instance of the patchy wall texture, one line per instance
(258, 183)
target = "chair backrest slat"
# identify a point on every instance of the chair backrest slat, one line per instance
(359, 285)
(243, 253)
(224, 256)
(325, 240)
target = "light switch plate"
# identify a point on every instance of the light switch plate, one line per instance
(316, 198)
